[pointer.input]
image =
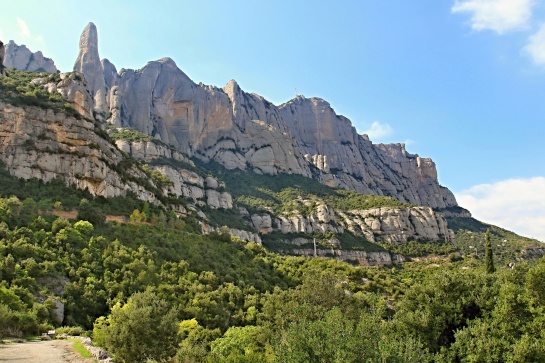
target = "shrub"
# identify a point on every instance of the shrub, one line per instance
(146, 327)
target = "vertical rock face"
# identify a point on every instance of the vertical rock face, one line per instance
(88, 63)
(162, 101)
(240, 130)
(20, 57)
(42, 144)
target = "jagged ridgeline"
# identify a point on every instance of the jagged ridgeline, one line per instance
(137, 205)
(240, 130)
(295, 177)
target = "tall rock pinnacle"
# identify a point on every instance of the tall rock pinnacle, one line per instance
(88, 63)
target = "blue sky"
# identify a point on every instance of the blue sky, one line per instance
(460, 81)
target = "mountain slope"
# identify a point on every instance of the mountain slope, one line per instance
(241, 130)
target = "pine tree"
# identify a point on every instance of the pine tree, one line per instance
(488, 256)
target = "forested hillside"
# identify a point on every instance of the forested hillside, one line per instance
(160, 289)
(160, 275)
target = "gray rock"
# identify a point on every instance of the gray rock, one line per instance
(72, 87)
(67, 148)
(20, 57)
(262, 223)
(238, 130)
(58, 312)
(398, 225)
(88, 63)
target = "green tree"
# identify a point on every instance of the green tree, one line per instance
(145, 328)
(241, 344)
(488, 255)
(138, 217)
(90, 213)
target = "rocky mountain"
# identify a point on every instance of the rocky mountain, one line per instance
(141, 132)
(244, 131)
(20, 57)
(42, 144)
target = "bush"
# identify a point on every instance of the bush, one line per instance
(71, 330)
(145, 328)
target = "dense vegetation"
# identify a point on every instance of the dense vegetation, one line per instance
(173, 293)
(507, 246)
(291, 194)
(130, 135)
(157, 289)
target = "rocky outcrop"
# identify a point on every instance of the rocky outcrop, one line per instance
(38, 143)
(392, 225)
(240, 130)
(262, 223)
(346, 159)
(88, 63)
(148, 151)
(72, 88)
(245, 235)
(398, 225)
(185, 183)
(216, 200)
(321, 221)
(20, 57)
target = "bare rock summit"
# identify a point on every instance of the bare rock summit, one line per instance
(88, 63)
(20, 57)
(240, 130)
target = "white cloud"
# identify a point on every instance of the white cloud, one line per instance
(25, 32)
(378, 130)
(500, 16)
(513, 204)
(25, 36)
(536, 46)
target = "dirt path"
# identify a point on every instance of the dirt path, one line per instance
(57, 351)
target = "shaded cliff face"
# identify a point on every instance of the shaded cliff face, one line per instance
(241, 130)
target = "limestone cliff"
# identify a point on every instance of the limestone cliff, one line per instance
(38, 143)
(185, 183)
(388, 224)
(240, 130)
(20, 57)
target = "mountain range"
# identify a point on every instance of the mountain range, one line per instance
(156, 134)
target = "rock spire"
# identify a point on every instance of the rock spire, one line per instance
(243, 130)
(88, 63)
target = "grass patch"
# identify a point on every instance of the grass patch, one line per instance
(80, 348)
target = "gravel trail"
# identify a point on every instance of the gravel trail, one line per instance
(56, 351)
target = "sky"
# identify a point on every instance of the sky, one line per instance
(460, 81)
